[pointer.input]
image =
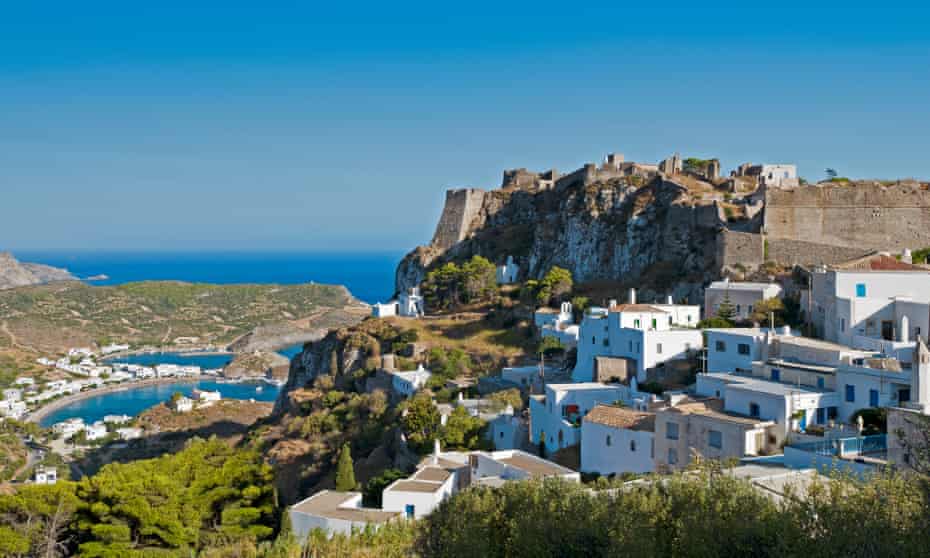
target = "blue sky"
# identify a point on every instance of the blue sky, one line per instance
(294, 126)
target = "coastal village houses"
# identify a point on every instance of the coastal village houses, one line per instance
(636, 340)
(559, 324)
(617, 440)
(743, 296)
(875, 303)
(438, 477)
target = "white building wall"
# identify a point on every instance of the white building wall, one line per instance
(630, 451)
(547, 417)
(724, 351)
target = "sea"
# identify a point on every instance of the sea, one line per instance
(134, 400)
(369, 276)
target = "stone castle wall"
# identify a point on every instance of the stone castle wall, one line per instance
(746, 249)
(788, 251)
(865, 216)
(460, 211)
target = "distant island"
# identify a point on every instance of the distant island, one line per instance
(14, 273)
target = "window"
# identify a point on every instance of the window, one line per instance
(593, 340)
(659, 348)
(842, 324)
(608, 440)
(743, 348)
(873, 398)
(671, 430)
(754, 410)
(669, 320)
(606, 341)
(633, 446)
(653, 323)
(832, 413)
(636, 323)
(776, 374)
(821, 415)
(714, 439)
(672, 456)
(737, 308)
(850, 393)
(410, 511)
(820, 382)
(860, 290)
(721, 346)
(631, 346)
(502, 434)
(749, 309)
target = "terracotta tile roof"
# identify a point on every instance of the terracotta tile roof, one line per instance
(621, 417)
(637, 308)
(877, 262)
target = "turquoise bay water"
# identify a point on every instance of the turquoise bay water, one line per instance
(134, 400)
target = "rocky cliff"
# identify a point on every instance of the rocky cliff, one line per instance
(14, 273)
(658, 234)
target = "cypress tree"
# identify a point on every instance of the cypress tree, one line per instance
(726, 310)
(345, 470)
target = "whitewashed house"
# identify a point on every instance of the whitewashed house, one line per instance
(508, 272)
(743, 296)
(418, 495)
(642, 337)
(335, 512)
(24, 381)
(408, 305)
(408, 383)
(68, 428)
(206, 397)
(183, 405)
(13, 394)
(45, 475)
(617, 440)
(875, 303)
(129, 433)
(555, 417)
(96, 431)
(116, 419)
(559, 324)
(12, 409)
(808, 381)
(114, 348)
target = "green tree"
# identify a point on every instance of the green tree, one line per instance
(421, 422)
(579, 305)
(462, 431)
(479, 279)
(441, 288)
(726, 310)
(553, 286)
(345, 470)
(762, 311)
(376, 485)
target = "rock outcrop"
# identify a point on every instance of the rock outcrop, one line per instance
(656, 234)
(14, 273)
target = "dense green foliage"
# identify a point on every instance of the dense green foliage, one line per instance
(345, 470)
(376, 485)
(726, 310)
(551, 289)
(704, 514)
(422, 424)
(205, 496)
(714, 322)
(448, 364)
(451, 285)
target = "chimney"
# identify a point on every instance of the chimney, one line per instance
(906, 257)
(612, 303)
(461, 398)
(904, 334)
(436, 451)
(920, 377)
(669, 300)
(632, 296)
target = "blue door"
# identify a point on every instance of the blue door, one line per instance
(873, 398)
(802, 424)
(776, 374)
(409, 511)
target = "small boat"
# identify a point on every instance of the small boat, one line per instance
(259, 389)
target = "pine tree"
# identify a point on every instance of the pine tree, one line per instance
(726, 310)
(345, 471)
